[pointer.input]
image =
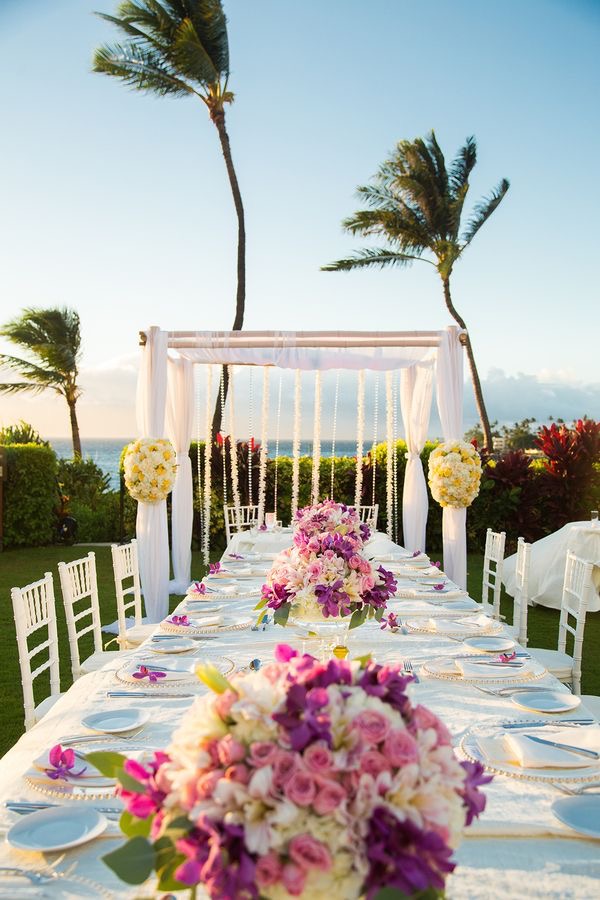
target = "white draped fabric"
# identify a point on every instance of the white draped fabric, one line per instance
(151, 524)
(449, 372)
(180, 421)
(418, 350)
(416, 385)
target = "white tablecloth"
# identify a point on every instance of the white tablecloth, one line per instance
(548, 557)
(530, 851)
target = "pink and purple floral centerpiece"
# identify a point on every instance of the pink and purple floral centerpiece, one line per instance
(325, 576)
(304, 780)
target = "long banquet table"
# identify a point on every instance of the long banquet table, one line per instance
(517, 847)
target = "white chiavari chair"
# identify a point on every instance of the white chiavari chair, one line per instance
(79, 586)
(239, 519)
(129, 595)
(368, 515)
(577, 592)
(34, 610)
(493, 563)
(518, 629)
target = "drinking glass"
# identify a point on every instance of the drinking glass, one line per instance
(594, 518)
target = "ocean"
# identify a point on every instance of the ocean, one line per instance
(106, 452)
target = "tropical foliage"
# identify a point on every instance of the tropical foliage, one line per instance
(415, 204)
(51, 339)
(21, 433)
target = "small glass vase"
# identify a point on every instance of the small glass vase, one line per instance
(332, 633)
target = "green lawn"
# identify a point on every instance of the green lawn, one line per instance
(19, 567)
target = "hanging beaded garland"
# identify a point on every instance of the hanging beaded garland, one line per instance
(395, 401)
(316, 458)
(221, 435)
(389, 473)
(233, 457)
(262, 478)
(334, 429)
(277, 433)
(296, 441)
(207, 465)
(250, 434)
(199, 452)
(374, 447)
(360, 431)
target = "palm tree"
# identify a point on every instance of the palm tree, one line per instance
(179, 48)
(416, 205)
(52, 339)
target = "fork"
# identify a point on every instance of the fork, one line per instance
(408, 668)
(33, 876)
(575, 791)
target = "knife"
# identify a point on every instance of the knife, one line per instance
(159, 695)
(504, 665)
(581, 751)
(556, 723)
(22, 806)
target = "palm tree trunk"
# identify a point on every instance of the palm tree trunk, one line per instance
(218, 117)
(74, 429)
(479, 402)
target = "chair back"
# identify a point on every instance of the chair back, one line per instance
(578, 590)
(493, 564)
(79, 586)
(34, 610)
(521, 600)
(368, 514)
(127, 585)
(239, 518)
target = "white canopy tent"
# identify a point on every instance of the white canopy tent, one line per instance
(165, 403)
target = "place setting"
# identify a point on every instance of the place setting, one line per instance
(456, 628)
(171, 671)
(472, 668)
(217, 624)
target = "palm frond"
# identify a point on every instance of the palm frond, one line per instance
(210, 23)
(376, 256)
(19, 387)
(140, 68)
(137, 34)
(462, 165)
(189, 56)
(32, 372)
(483, 211)
(398, 225)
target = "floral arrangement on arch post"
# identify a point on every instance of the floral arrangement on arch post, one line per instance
(304, 779)
(150, 468)
(454, 474)
(325, 575)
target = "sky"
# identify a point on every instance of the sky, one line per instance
(117, 203)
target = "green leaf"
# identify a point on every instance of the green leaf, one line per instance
(178, 827)
(358, 617)
(379, 614)
(131, 784)
(131, 826)
(164, 850)
(167, 880)
(133, 862)
(107, 762)
(282, 614)
(363, 660)
(261, 603)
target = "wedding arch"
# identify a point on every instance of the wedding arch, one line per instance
(165, 406)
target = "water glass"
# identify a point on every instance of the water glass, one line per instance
(594, 518)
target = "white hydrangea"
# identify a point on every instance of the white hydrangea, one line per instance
(150, 469)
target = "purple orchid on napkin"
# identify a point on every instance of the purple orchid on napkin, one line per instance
(440, 586)
(179, 620)
(213, 568)
(391, 622)
(235, 556)
(436, 564)
(199, 587)
(416, 553)
(507, 657)
(145, 672)
(63, 764)
(262, 527)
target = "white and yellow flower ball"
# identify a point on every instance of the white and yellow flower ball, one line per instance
(150, 469)
(454, 474)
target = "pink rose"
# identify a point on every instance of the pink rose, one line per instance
(308, 853)
(367, 583)
(373, 763)
(300, 788)
(284, 765)
(318, 757)
(423, 718)
(224, 702)
(212, 747)
(329, 796)
(400, 748)
(373, 726)
(268, 870)
(314, 569)
(230, 751)
(207, 783)
(239, 772)
(262, 753)
(365, 566)
(355, 561)
(293, 878)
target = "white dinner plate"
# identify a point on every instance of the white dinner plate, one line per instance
(57, 828)
(547, 701)
(173, 646)
(582, 814)
(203, 609)
(115, 721)
(490, 644)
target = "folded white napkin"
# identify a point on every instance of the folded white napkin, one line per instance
(479, 670)
(519, 750)
(224, 588)
(465, 623)
(440, 595)
(206, 621)
(233, 572)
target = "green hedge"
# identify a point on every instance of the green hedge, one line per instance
(30, 495)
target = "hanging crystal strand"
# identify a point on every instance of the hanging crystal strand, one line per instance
(222, 436)
(262, 478)
(199, 452)
(389, 466)
(207, 466)
(250, 435)
(233, 457)
(296, 442)
(374, 447)
(395, 398)
(360, 433)
(277, 428)
(316, 460)
(333, 433)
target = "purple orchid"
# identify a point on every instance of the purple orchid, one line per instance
(436, 564)
(179, 620)
(416, 553)
(507, 657)
(63, 764)
(148, 802)
(199, 587)
(235, 556)
(439, 586)
(333, 601)
(390, 621)
(388, 684)
(216, 856)
(474, 799)
(213, 568)
(276, 595)
(145, 672)
(262, 527)
(302, 719)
